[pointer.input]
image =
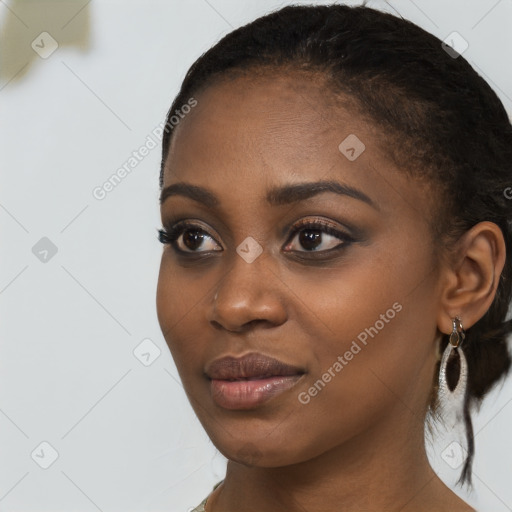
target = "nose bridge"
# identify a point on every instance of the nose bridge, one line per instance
(248, 291)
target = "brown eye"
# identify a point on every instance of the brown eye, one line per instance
(189, 238)
(317, 237)
(193, 239)
(196, 240)
(310, 239)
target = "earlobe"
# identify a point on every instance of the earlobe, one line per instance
(473, 276)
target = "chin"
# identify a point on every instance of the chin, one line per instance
(264, 453)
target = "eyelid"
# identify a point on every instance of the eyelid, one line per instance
(313, 221)
(174, 225)
(320, 225)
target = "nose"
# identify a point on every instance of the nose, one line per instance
(247, 295)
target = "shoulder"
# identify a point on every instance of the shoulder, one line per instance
(200, 507)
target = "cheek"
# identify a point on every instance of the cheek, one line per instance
(383, 289)
(359, 379)
(340, 304)
(178, 300)
(374, 324)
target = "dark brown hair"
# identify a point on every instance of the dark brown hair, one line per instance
(442, 122)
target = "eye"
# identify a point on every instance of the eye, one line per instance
(189, 238)
(316, 236)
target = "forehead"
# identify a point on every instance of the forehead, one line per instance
(255, 132)
(272, 118)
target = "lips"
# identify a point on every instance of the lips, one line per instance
(250, 367)
(250, 381)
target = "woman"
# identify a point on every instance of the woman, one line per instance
(336, 224)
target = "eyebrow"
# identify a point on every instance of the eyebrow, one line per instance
(278, 196)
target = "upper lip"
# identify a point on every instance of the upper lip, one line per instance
(252, 365)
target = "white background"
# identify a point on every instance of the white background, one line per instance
(124, 432)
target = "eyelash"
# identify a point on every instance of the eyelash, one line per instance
(170, 235)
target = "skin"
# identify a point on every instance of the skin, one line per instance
(359, 443)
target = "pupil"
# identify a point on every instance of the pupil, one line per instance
(193, 239)
(310, 239)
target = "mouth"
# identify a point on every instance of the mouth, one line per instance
(249, 394)
(249, 367)
(249, 381)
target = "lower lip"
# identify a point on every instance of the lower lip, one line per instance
(246, 394)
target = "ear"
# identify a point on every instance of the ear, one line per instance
(472, 276)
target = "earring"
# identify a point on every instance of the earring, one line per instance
(452, 398)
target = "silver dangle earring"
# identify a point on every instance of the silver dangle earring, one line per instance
(451, 399)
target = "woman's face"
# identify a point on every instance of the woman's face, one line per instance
(336, 281)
